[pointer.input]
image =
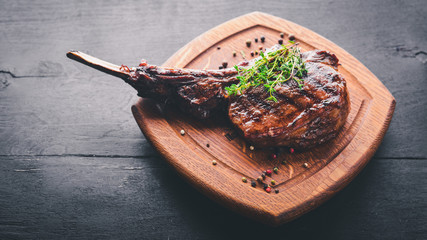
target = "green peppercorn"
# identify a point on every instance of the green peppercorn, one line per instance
(273, 182)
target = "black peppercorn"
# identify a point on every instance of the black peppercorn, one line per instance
(248, 43)
(221, 67)
(291, 37)
(282, 35)
(256, 39)
(262, 39)
(280, 41)
(225, 64)
(276, 191)
(253, 183)
(252, 53)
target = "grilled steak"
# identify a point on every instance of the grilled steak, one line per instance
(301, 118)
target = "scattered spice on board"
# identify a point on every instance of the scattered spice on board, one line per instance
(282, 35)
(224, 64)
(275, 170)
(253, 183)
(248, 43)
(305, 165)
(291, 37)
(244, 180)
(207, 145)
(280, 41)
(291, 150)
(268, 172)
(276, 191)
(234, 53)
(182, 132)
(256, 39)
(273, 182)
(268, 189)
(251, 148)
(218, 48)
(262, 39)
(214, 162)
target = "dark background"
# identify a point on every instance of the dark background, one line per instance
(74, 164)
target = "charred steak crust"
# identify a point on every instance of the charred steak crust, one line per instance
(302, 118)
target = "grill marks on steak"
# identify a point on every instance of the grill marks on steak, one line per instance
(198, 92)
(301, 118)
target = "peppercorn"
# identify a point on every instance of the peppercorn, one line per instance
(244, 180)
(260, 47)
(276, 191)
(256, 52)
(263, 176)
(225, 64)
(284, 162)
(276, 169)
(282, 35)
(207, 145)
(256, 39)
(253, 183)
(268, 172)
(248, 43)
(291, 37)
(291, 150)
(252, 53)
(214, 162)
(264, 172)
(268, 189)
(280, 41)
(259, 179)
(273, 182)
(274, 156)
(262, 39)
(234, 53)
(305, 165)
(182, 132)
(251, 148)
(220, 67)
(265, 186)
(218, 48)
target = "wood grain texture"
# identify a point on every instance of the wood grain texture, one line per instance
(331, 166)
(74, 123)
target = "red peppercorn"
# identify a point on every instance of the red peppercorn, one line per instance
(274, 156)
(291, 150)
(268, 189)
(268, 172)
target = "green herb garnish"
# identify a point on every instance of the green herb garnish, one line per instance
(271, 69)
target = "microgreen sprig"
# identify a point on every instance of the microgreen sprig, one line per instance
(270, 70)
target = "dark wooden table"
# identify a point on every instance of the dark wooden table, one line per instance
(73, 163)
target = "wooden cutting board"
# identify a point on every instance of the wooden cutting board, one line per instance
(305, 179)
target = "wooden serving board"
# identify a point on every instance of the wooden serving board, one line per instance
(328, 168)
